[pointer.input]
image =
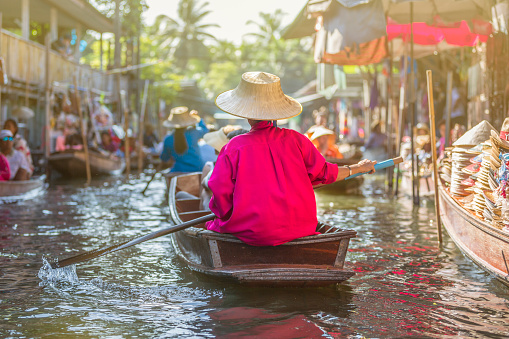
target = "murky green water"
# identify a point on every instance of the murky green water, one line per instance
(405, 286)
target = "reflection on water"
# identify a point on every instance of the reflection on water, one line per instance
(404, 286)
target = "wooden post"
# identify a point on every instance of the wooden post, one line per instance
(415, 169)
(53, 23)
(401, 119)
(126, 127)
(434, 152)
(141, 127)
(47, 137)
(448, 109)
(27, 75)
(25, 19)
(83, 133)
(101, 53)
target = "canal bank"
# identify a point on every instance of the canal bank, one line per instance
(404, 284)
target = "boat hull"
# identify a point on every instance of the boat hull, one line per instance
(19, 188)
(72, 164)
(486, 245)
(309, 261)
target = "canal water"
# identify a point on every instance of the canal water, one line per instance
(404, 286)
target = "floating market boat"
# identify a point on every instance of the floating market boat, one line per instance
(309, 261)
(485, 244)
(18, 189)
(72, 163)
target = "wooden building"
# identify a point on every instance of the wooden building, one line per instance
(26, 63)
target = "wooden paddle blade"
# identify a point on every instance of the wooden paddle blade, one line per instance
(397, 160)
(120, 246)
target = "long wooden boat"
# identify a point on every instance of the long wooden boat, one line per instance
(72, 163)
(11, 189)
(309, 261)
(486, 245)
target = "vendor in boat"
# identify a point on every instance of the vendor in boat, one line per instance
(20, 144)
(19, 168)
(181, 145)
(262, 184)
(323, 138)
(107, 142)
(321, 117)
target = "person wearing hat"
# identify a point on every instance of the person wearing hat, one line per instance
(20, 144)
(322, 140)
(321, 116)
(19, 168)
(262, 184)
(181, 145)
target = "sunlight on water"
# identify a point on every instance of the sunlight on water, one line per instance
(50, 275)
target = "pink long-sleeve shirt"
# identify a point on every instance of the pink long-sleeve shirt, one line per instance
(262, 186)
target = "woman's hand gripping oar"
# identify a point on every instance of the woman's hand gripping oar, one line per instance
(377, 167)
(120, 246)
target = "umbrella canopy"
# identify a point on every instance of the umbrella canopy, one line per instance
(458, 35)
(429, 11)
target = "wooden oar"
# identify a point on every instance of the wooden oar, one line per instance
(106, 250)
(380, 166)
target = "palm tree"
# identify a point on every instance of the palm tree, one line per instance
(269, 30)
(184, 37)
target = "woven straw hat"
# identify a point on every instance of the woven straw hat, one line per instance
(259, 97)
(216, 139)
(478, 134)
(180, 117)
(321, 131)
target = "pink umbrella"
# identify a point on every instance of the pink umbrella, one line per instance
(458, 34)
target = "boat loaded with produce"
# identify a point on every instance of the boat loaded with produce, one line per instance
(474, 196)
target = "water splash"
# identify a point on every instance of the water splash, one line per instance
(50, 275)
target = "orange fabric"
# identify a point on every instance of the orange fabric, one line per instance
(364, 54)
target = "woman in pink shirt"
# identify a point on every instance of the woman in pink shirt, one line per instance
(262, 184)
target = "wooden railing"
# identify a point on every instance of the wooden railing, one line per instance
(27, 60)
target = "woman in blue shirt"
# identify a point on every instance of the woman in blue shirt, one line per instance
(182, 144)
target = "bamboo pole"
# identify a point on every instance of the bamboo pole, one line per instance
(127, 154)
(47, 139)
(83, 133)
(434, 152)
(448, 110)
(141, 128)
(401, 117)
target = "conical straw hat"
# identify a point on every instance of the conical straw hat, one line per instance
(478, 134)
(321, 131)
(216, 139)
(180, 117)
(259, 97)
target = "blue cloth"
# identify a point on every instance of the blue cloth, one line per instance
(190, 160)
(208, 153)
